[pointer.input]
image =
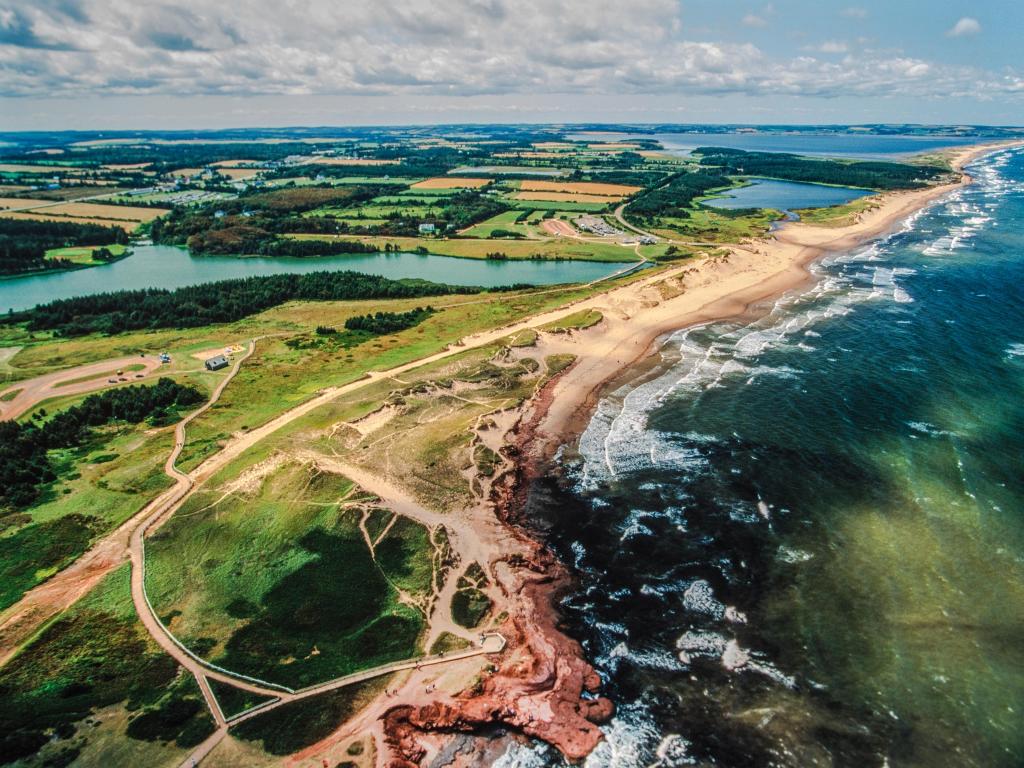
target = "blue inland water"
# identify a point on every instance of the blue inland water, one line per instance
(816, 144)
(799, 541)
(161, 266)
(785, 195)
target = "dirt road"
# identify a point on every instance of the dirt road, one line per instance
(74, 381)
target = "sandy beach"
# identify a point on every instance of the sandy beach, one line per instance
(540, 685)
(543, 686)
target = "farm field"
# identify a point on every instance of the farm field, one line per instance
(507, 221)
(579, 187)
(567, 197)
(571, 206)
(100, 211)
(451, 182)
(7, 203)
(353, 161)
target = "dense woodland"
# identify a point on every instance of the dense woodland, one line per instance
(23, 244)
(868, 174)
(675, 196)
(25, 466)
(388, 322)
(218, 302)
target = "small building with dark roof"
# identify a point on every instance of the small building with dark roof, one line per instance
(216, 363)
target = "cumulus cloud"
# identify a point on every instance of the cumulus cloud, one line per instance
(964, 27)
(446, 48)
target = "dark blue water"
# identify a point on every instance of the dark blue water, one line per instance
(785, 195)
(816, 144)
(800, 541)
(161, 266)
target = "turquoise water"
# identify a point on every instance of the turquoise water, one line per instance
(821, 145)
(800, 540)
(785, 195)
(161, 266)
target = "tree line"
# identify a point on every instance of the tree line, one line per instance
(219, 302)
(869, 174)
(23, 243)
(382, 323)
(25, 465)
(674, 196)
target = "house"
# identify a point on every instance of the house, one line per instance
(427, 228)
(216, 363)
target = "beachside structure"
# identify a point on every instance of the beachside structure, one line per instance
(216, 363)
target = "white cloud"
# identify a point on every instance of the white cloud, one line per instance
(854, 12)
(832, 46)
(518, 49)
(966, 26)
(753, 20)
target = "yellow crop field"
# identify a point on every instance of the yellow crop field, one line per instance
(234, 163)
(125, 166)
(566, 197)
(186, 172)
(451, 182)
(99, 211)
(351, 161)
(612, 146)
(125, 224)
(43, 170)
(235, 174)
(580, 187)
(22, 202)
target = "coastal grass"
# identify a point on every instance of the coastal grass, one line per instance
(271, 576)
(93, 687)
(837, 215)
(577, 321)
(707, 225)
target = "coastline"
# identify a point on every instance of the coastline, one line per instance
(543, 686)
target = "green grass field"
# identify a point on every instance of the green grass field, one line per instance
(83, 255)
(471, 248)
(94, 688)
(554, 205)
(272, 577)
(506, 221)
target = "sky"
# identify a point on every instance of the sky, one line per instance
(108, 64)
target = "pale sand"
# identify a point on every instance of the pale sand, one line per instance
(713, 289)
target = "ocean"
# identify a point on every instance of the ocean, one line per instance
(799, 539)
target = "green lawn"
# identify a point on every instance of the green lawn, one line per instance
(505, 220)
(83, 255)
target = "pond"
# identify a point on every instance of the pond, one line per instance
(785, 195)
(162, 266)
